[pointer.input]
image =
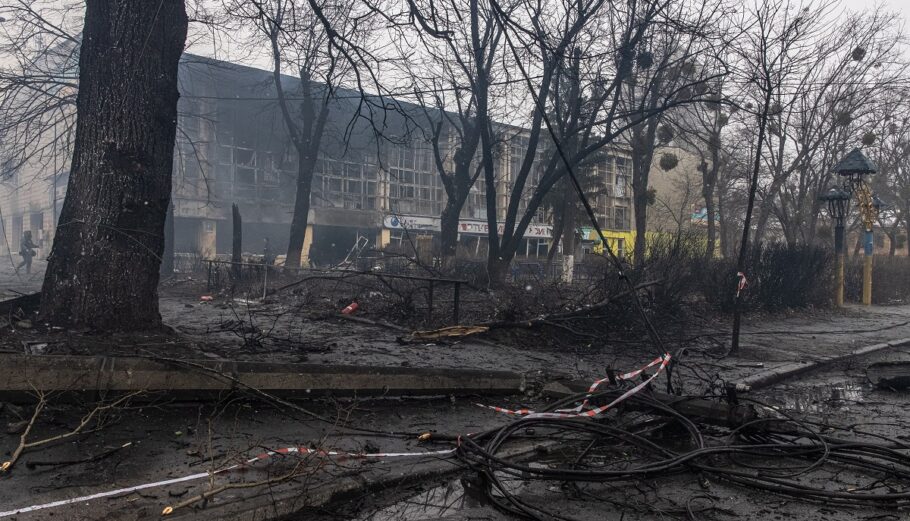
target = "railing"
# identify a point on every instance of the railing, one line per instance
(254, 279)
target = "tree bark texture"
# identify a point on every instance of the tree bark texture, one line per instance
(167, 260)
(301, 210)
(103, 269)
(237, 242)
(449, 219)
(307, 138)
(643, 139)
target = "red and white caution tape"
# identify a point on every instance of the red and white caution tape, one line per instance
(624, 376)
(742, 284)
(661, 362)
(201, 475)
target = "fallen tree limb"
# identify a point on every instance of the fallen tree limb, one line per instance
(83, 423)
(461, 331)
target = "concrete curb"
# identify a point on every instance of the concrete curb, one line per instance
(20, 374)
(778, 374)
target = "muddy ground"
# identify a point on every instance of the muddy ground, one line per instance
(154, 438)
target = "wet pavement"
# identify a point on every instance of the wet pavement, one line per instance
(168, 440)
(839, 396)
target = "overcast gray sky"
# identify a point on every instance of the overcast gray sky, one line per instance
(899, 6)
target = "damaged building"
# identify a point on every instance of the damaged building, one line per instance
(375, 179)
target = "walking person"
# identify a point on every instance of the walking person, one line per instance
(27, 251)
(268, 256)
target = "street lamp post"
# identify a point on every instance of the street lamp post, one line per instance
(854, 167)
(838, 205)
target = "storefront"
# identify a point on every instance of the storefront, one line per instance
(472, 234)
(619, 241)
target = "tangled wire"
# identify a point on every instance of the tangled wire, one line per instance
(767, 454)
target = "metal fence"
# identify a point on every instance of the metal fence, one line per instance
(254, 280)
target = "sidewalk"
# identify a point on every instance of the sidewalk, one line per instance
(14, 283)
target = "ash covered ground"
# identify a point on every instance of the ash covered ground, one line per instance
(153, 438)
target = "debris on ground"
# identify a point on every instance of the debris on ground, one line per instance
(890, 375)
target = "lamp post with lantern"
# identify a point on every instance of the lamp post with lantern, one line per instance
(853, 168)
(838, 201)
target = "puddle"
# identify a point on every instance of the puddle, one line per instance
(820, 398)
(444, 500)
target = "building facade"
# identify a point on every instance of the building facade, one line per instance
(376, 178)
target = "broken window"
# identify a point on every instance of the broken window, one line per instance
(270, 172)
(414, 185)
(191, 168)
(621, 218)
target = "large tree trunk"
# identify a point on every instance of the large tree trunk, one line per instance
(558, 225)
(167, 260)
(448, 235)
(498, 271)
(305, 169)
(103, 270)
(569, 244)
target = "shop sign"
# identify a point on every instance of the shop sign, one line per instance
(538, 231)
(468, 227)
(410, 222)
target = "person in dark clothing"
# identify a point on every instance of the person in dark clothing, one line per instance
(268, 257)
(27, 251)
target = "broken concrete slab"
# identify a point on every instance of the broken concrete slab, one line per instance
(782, 372)
(890, 375)
(21, 374)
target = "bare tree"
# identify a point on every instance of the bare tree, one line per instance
(298, 37)
(545, 36)
(447, 85)
(769, 45)
(103, 268)
(833, 75)
(38, 91)
(889, 146)
(38, 82)
(666, 66)
(699, 127)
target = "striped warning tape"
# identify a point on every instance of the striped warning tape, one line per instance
(200, 475)
(661, 362)
(625, 376)
(524, 413)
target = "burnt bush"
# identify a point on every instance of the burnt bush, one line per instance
(890, 279)
(676, 261)
(781, 277)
